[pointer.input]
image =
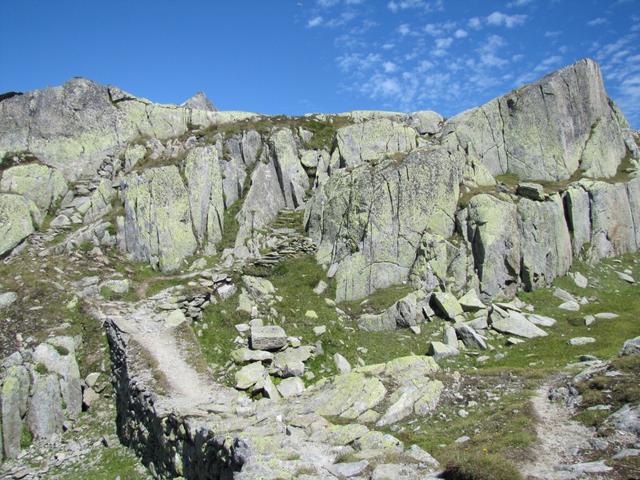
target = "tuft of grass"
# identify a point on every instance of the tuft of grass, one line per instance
(41, 368)
(26, 439)
(474, 466)
(61, 350)
(377, 301)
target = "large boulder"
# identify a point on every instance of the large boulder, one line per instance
(373, 140)
(157, 224)
(492, 231)
(206, 200)
(44, 416)
(369, 220)
(546, 130)
(19, 217)
(15, 393)
(43, 185)
(544, 241)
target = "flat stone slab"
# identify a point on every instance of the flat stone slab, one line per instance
(268, 337)
(447, 304)
(517, 325)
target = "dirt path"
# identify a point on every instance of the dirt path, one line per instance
(561, 441)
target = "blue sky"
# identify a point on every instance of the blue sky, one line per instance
(297, 56)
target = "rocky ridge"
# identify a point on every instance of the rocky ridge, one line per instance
(449, 207)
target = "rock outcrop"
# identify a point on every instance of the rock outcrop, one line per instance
(41, 388)
(368, 221)
(548, 130)
(75, 126)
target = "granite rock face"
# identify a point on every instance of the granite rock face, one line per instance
(369, 221)
(547, 130)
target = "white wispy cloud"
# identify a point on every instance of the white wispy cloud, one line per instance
(460, 33)
(499, 19)
(552, 33)
(519, 3)
(358, 63)
(315, 21)
(597, 21)
(398, 5)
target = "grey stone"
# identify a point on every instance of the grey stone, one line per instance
(15, 392)
(570, 306)
(342, 364)
(447, 304)
(470, 302)
(291, 387)
(439, 350)
(545, 130)
(269, 337)
(18, 217)
(579, 341)
(249, 375)
(542, 320)
(631, 347)
(533, 191)
(7, 299)
(199, 102)
(470, 337)
(44, 415)
(516, 324)
(348, 469)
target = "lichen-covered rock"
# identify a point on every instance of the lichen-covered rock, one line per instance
(44, 416)
(60, 358)
(43, 185)
(544, 242)
(348, 395)
(576, 201)
(15, 393)
(73, 127)
(100, 201)
(157, 225)
(18, 219)
(492, 231)
(612, 220)
(369, 221)
(206, 200)
(373, 140)
(279, 181)
(546, 130)
(200, 102)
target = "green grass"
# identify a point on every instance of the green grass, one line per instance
(376, 302)
(324, 131)
(478, 466)
(609, 294)
(615, 391)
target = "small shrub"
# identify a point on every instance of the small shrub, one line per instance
(480, 467)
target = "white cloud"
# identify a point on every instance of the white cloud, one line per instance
(315, 21)
(460, 33)
(327, 3)
(552, 33)
(475, 23)
(404, 29)
(498, 19)
(488, 53)
(389, 67)
(519, 3)
(597, 21)
(444, 42)
(398, 5)
(358, 63)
